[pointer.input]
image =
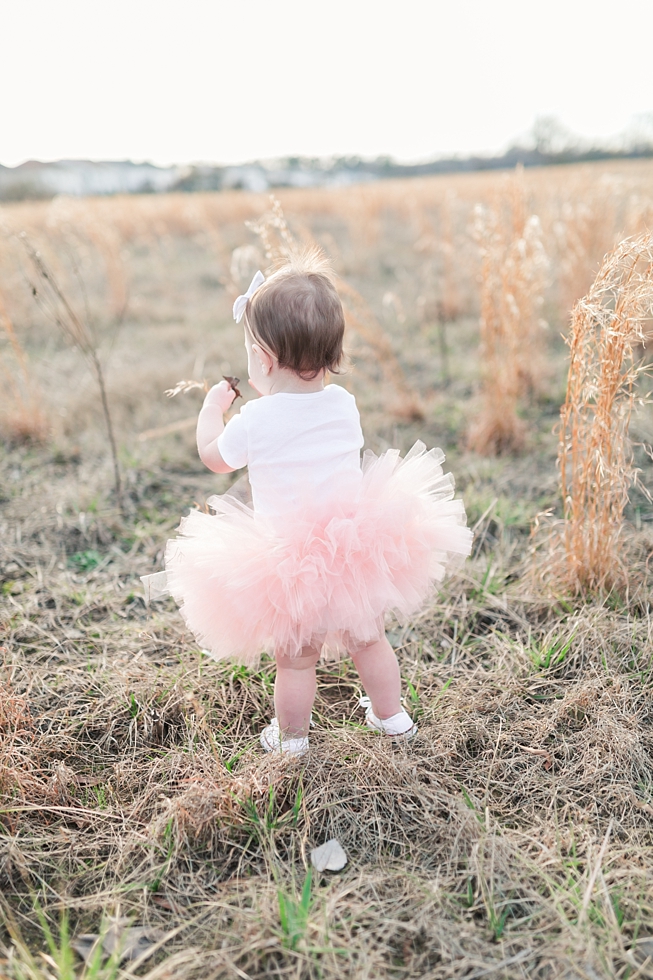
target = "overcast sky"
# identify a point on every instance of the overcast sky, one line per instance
(211, 80)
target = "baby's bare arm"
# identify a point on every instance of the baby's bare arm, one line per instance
(210, 425)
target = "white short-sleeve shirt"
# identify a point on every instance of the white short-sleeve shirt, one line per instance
(296, 445)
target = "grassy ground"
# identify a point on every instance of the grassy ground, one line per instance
(512, 839)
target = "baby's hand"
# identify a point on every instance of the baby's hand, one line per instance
(221, 395)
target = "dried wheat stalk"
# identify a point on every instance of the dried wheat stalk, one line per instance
(53, 300)
(184, 386)
(526, 272)
(497, 428)
(512, 277)
(595, 454)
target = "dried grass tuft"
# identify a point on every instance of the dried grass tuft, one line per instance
(588, 551)
(513, 266)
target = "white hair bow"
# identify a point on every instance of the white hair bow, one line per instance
(241, 302)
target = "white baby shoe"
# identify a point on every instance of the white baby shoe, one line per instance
(272, 741)
(400, 726)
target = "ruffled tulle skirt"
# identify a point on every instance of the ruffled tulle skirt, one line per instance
(248, 583)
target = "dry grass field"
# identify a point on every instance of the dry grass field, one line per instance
(514, 837)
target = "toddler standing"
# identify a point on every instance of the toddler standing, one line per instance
(329, 547)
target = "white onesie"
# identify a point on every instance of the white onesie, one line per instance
(297, 446)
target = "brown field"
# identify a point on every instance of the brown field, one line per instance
(513, 838)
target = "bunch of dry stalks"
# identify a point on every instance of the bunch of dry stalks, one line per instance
(513, 268)
(49, 294)
(595, 453)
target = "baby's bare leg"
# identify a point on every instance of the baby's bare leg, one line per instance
(294, 691)
(378, 669)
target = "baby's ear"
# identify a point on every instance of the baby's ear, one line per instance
(265, 357)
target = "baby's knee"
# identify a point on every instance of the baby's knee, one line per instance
(303, 661)
(357, 649)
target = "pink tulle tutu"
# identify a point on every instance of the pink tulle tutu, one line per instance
(248, 583)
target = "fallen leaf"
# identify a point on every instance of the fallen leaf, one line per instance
(130, 942)
(155, 586)
(329, 857)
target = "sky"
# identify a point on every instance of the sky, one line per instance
(228, 81)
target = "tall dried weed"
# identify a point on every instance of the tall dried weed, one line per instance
(513, 267)
(76, 328)
(595, 452)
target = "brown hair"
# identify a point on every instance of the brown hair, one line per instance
(297, 315)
